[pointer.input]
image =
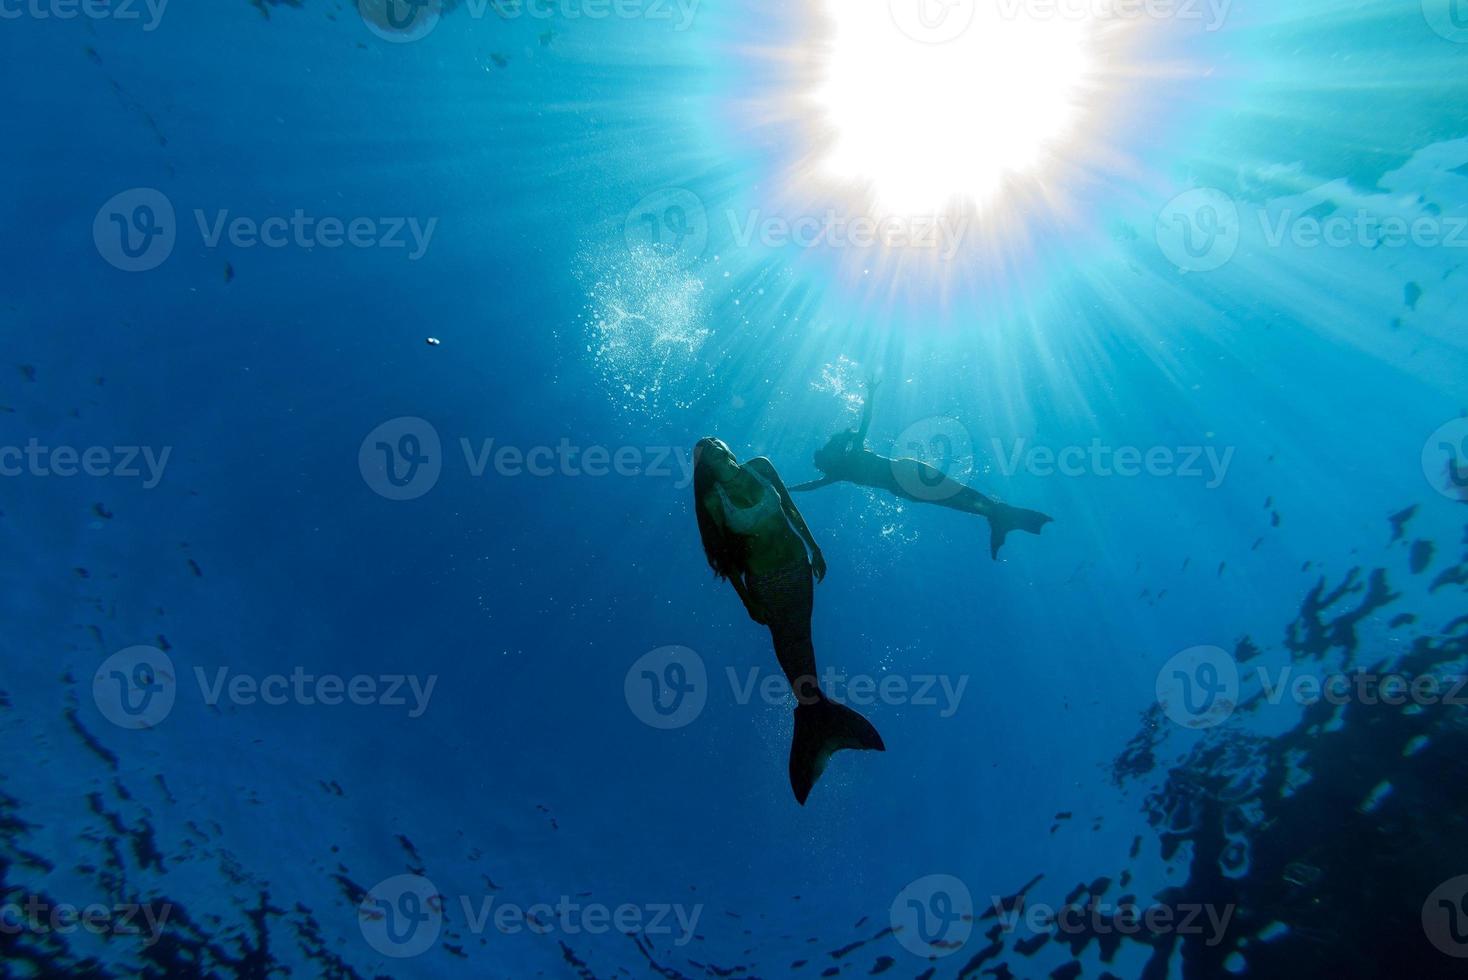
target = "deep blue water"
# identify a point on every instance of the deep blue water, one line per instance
(1292, 396)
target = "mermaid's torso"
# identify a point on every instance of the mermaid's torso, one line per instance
(748, 520)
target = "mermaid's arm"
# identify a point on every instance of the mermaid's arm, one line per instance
(793, 512)
(824, 481)
(755, 610)
(866, 413)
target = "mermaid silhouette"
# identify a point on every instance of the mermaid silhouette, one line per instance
(846, 459)
(754, 536)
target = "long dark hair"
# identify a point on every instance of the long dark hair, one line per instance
(727, 553)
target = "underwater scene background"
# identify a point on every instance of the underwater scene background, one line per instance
(330, 651)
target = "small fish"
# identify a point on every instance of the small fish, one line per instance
(1421, 556)
(432, 341)
(1399, 521)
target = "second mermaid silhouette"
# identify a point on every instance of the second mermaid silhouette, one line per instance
(846, 459)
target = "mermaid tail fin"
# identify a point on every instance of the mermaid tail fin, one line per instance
(1004, 518)
(821, 728)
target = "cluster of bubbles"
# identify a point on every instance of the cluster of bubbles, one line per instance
(844, 379)
(645, 328)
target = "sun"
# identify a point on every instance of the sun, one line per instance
(937, 103)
